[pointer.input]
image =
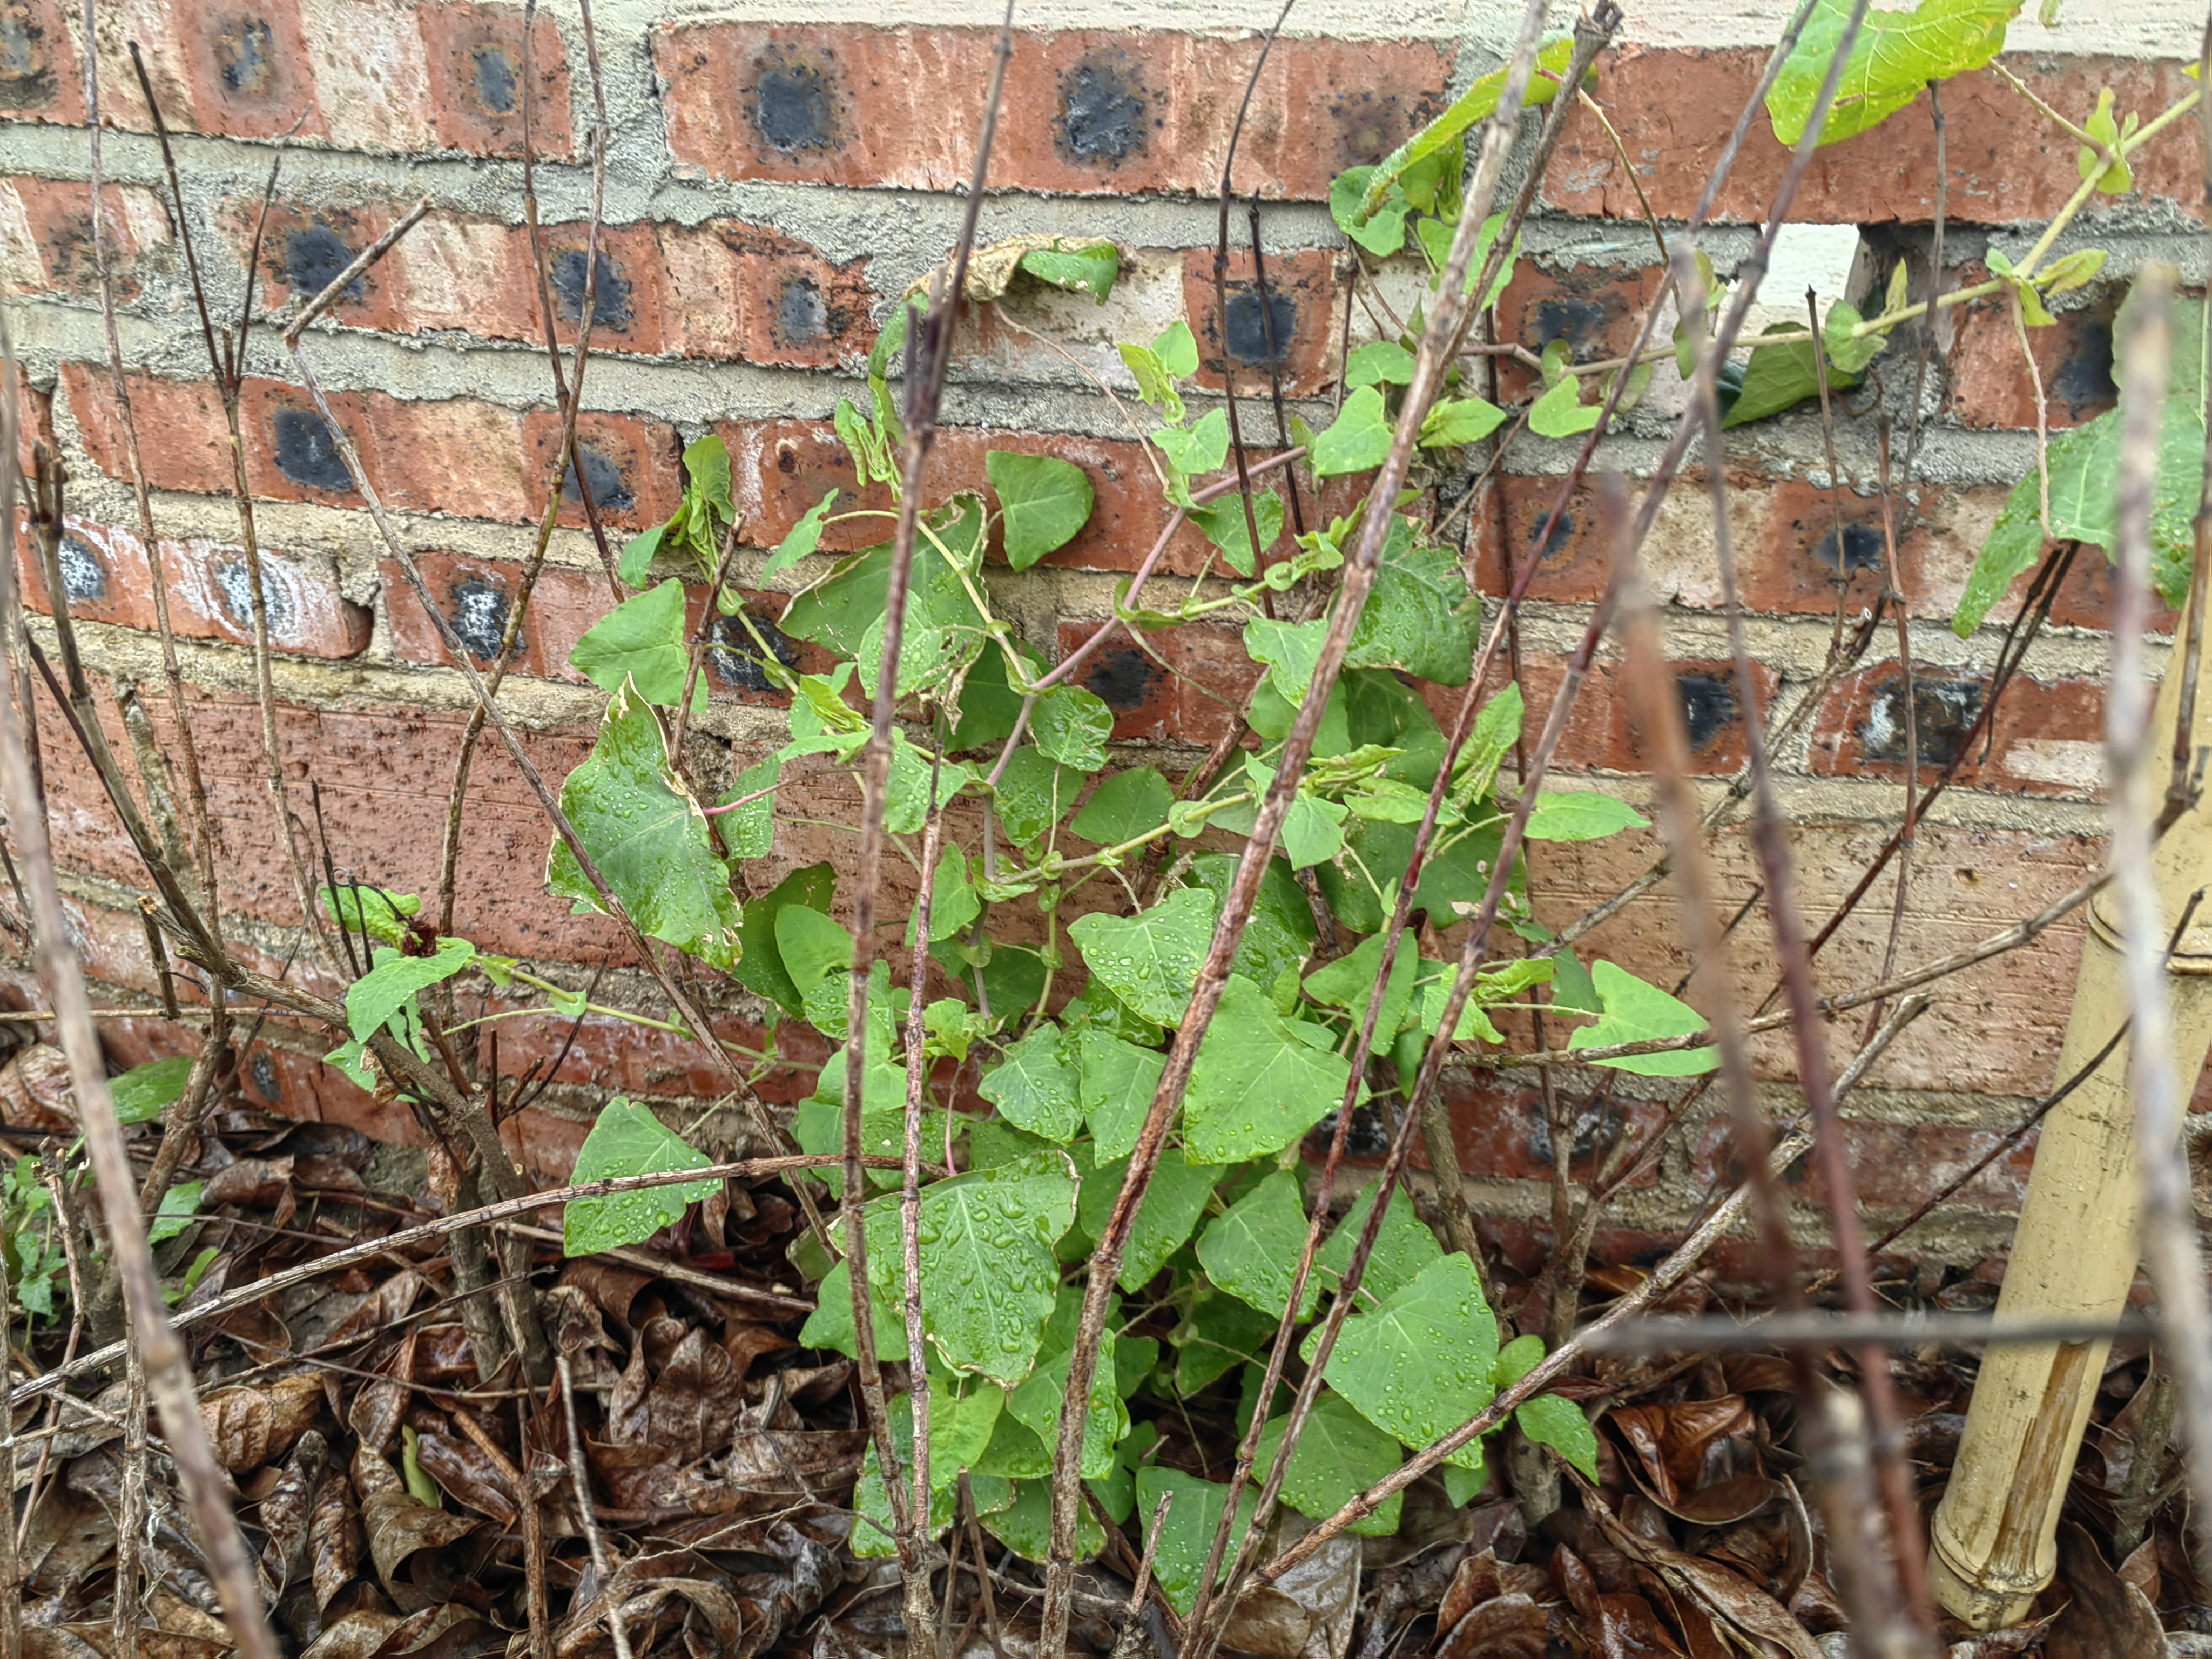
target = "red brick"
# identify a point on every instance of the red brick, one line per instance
(40, 77)
(46, 236)
(627, 300)
(304, 248)
(903, 107)
(788, 304)
(1499, 1131)
(1601, 733)
(1989, 383)
(1596, 309)
(1895, 1166)
(459, 456)
(181, 436)
(246, 70)
(34, 423)
(1179, 685)
(1676, 108)
(291, 454)
(457, 271)
(209, 596)
(1302, 295)
(2049, 734)
(475, 62)
(476, 596)
(630, 463)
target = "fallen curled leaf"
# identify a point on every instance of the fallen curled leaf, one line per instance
(467, 1474)
(382, 1308)
(249, 1426)
(2107, 1617)
(695, 1401)
(1685, 1447)
(1727, 1502)
(610, 1287)
(1484, 1577)
(1727, 1596)
(396, 1525)
(287, 1512)
(333, 1537)
(1307, 1613)
(261, 1181)
(356, 1636)
(1504, 1627)
(1628, 1627)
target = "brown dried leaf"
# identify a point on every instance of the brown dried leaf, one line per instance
(1727, 1595)
(356, 1636)
(1628, 1628)
(695, 1400)
(1682, 1447)
(382, 1308)
(467, 1474)
(35, 1091)
(396, 1525)
(334, 1537)
(1504, 1627)
(2108, 1617)
(612, 1288)
(286, 1512)
(258, 1182)
(625, 1407)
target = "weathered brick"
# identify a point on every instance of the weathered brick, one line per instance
(1990, 386)
(630, 464)
(40, 77)
(210, 594)
(46, 236)
(181, 437)
(750, 292)
(475, 54)
(625, 279)
(291, 453)
(304, 249)
(1301, 310)
(1499, 1131)
(457, 271)
(1085, 111)
(1677, 107)
(1601, 733)
(2049, 734)
(1596, 310)
(1895, 1166)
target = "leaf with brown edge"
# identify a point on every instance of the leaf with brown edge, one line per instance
(695, 1400)
(258, 1182)
(382, 1308)
(1504, 1627)
(356, 1636)
(333, 1537)
(286, 1512)
(1628, 1627)
(249, 1426)
(377, 1407)
(1686, 1446)
(466, 1474)
(612, 1288)
(396, 1525)
(2108, 1617)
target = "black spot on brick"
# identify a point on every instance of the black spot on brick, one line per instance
(264, 1075)
(1369, 126)
(1580, 323)
(736, 660)
(801, 317)
(84, 578)
(2084, 381)
(236, 588)
(1101, 118)
(307, 453)
(246, 57)
(1709, 706)
(1248, 327)
(1123, 678)
(1862, 550)
(25, 80)
(497, 78)
(1368, 1138)
(478, 614)
(611, 491)
(1595, 1130)
(1562, 532)
(315, 258)
(1943, 711)
(795, 107)
(610, 291)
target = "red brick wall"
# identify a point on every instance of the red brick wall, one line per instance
(773, 187)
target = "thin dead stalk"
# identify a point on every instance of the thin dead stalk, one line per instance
(1358, 580)
(2169, 1223)
(587, 1514)
(928, 357)
(168, 1372)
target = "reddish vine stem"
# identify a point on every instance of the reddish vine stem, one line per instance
(1212, 978)
(928, 357)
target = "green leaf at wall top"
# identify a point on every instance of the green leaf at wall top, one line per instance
(648, 838)
(640, 640)
(1357, 440)
(1477, 103)
(1637, 1012)
(628, 1140)
(1076, 263)
(1043, 503)
(1896, 55)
